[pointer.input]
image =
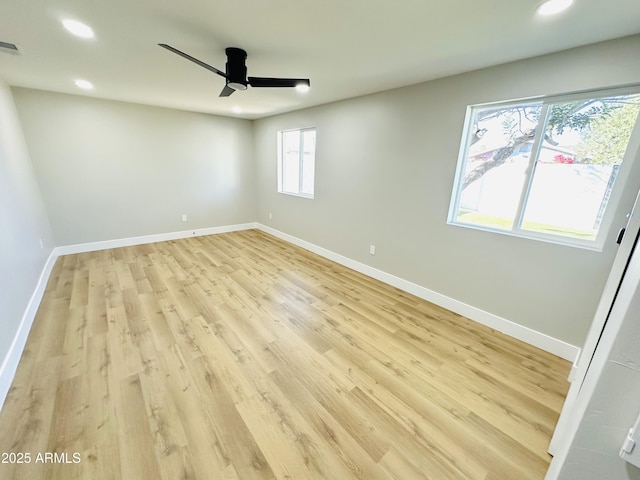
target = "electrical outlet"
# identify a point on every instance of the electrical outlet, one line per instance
(184, 218)
(372, 249)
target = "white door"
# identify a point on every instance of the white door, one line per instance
(581, 366)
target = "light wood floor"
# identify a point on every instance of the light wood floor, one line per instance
(239, 356)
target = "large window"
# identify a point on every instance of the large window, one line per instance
(545, 169)
(296, 161)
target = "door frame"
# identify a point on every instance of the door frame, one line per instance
(609, 315)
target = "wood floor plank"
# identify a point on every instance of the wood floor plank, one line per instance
(26, 420)
(240, 356)
(496, 404)
(100, 438)
(292, 446)
(240, 447)
(340, 439)
(137, 450)
(206, 448)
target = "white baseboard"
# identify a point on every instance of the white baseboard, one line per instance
(525, 334)
(159, 237)
(12, 359)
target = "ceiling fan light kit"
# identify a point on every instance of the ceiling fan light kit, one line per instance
(235, 72)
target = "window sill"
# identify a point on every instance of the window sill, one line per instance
(595, 246)
(301, 195)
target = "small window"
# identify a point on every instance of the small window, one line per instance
(544, 169)
(296, 161)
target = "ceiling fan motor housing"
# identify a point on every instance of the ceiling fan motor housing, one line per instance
(236, 68)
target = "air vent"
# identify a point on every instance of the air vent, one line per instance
(7, 47)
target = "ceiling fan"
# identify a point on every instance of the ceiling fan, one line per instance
(236, 72)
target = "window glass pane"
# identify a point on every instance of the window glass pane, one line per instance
(296, 162)
(583, 147)
(291, 161)
(308, 161)
(497, 155)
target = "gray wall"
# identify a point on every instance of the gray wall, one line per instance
(23, 224)
(385, 166)
(112, 170)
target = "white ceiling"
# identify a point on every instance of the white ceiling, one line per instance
(346, 47)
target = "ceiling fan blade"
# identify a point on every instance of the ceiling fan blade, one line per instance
(226, 91)
(193, 59)
(277, 82)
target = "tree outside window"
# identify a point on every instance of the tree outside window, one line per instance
(543, 169)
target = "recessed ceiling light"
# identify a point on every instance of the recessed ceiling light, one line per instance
(302, 87)
(236, 109)
(84, 84)
(79, 29)
(551, 7)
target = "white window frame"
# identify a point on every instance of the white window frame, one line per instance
(633, 149)
(280, 171)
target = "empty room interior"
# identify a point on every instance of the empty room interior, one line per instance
(404, 249)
